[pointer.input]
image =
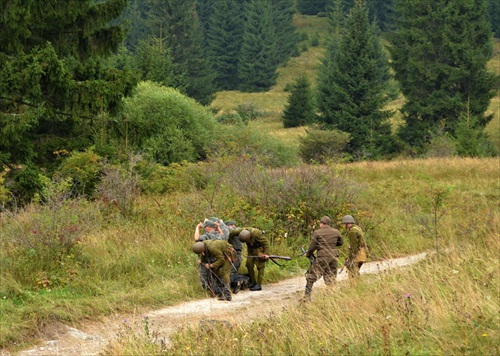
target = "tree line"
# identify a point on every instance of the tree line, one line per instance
(65, 69)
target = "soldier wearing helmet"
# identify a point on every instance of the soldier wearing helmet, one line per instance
(210, 232)
(357, 246)
(214, 256)
(324, 241)
(258, 245)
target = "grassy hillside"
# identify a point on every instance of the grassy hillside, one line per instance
(273, 101)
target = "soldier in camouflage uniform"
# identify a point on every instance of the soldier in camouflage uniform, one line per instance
(215, 257)
(258, 245)
(357, 246)
(325, 241)
(210, 232)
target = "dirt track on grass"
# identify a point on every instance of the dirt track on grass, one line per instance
(91, 338)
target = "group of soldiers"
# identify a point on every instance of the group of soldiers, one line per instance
(219, 246)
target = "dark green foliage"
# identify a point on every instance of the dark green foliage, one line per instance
(166, 125)
(52, 80)
(257, 63)
(321, 146)
(176, 24)
(311, 7)
(154, 61)
(24, 183)
(352, 84)
(224, 39)
(471, 140)
(286, 35)
(440, 50)
(494, 16)
(300, 109)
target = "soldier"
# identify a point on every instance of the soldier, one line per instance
(357, 246)
(215, 256)
(324, 241)
(238, 281)
(221, 226)
(258, 245)
(210, 233)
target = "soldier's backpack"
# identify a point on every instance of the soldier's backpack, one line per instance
(231, 254)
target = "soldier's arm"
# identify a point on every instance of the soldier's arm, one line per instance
(197, 231)
(264, 242)
(312, 246)
(219, 259)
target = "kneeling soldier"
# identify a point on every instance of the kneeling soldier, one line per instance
(219, 252)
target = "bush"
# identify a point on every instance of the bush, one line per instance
(244, 141)
(84, 169)
(166, 125)
(320, 146)
(292, 198)
(248, 111)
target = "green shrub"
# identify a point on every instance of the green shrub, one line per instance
(320, 146)
(84, 169)
(248, 111)
(166, 125)
(245, 141)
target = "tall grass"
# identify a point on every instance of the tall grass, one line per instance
(447, 304)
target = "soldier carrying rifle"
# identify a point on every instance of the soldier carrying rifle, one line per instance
(325, 241)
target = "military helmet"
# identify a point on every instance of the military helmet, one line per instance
(348, 219)
(244, 235)
(209, 223)
(325, 220)
(198, 247)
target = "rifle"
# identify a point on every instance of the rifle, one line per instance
(347, 262)
(311, 258)
(272, 258)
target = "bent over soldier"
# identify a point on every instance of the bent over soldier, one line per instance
(324, 241)
(258, 245)
(215, 255)
(210, 232)
(357, 246)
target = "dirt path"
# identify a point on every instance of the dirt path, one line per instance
(91, 339)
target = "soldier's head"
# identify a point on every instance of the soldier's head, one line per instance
(325, 220)
(199, 247)
(244, 235)
(209, 226)
(231, 224)
(348, 221)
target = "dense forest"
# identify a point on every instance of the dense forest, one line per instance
(95, 81)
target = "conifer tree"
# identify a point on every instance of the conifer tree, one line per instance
(311, 7)
(224, 39)
(52, 79)
(257, 63)
(440, 51)
(300, 108)
(286, 36)
(352, 93)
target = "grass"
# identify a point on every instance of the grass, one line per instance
(447, 304)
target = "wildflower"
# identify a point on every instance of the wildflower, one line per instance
(484, 335)
(408, 295)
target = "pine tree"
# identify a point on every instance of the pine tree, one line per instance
(440, 50)
(311, 7)
(352, 91)
(177, 22)
(300, 108)
(224, 39)
(257, 63)
(286, 36)
(52, 79)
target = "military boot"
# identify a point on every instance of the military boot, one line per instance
(256, 287)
